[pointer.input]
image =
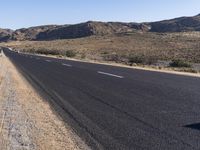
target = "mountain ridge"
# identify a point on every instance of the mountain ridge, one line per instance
(177, 24)
(53, 32)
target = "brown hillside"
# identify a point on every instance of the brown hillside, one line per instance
(177, 25)
(5, 34)
(30, 33)
(88, 29)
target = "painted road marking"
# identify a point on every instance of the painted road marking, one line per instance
(38, 58)
(110, 74)
(48, 60)
(68, 65)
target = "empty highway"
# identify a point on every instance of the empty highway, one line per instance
(118, 108)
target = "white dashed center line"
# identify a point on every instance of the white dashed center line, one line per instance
(109, 74)
(48, 60)
(68, 65)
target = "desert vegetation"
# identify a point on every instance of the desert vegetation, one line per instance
(174, 41)
(137, 48)
(179, 63)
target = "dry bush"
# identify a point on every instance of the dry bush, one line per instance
(70, 53)
(179, 63)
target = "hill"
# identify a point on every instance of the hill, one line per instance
(55, 32)
(88, 29)
(5, 35)
(177, 25)
(30, 33)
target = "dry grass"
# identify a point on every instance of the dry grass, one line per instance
(119, 48)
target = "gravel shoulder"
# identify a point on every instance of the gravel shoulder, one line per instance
(26, 119)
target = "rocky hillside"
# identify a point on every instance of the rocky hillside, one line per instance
(31, 33)
(88, 29)
(5, 35)
(53, 32)
(177, 25)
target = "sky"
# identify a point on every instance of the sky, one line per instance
(15, 14)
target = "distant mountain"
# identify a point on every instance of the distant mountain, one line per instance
(177, 25)
(53, 32)
(5, 35)
(31, 33)
(88, 29)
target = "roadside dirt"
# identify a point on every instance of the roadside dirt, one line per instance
(26, 120)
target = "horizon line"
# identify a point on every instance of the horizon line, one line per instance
(61, 24)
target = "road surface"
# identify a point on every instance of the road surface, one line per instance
(118, 108)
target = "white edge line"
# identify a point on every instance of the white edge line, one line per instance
(109, 74)
(66, 65)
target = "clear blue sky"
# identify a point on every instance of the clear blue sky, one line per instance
(25, 13)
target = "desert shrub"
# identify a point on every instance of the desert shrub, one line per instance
(47, 52)
(135, 59)
(190, 70)
(151, 60)
(105, 53)
(31, 50)
(112, 57)
(179, 63)
(70, 53)
(141, 59)
(83, 56)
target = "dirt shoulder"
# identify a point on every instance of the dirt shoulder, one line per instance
(26, 119)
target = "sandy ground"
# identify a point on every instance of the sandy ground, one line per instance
(26, 120)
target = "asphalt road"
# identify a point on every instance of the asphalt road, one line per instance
(119, 108)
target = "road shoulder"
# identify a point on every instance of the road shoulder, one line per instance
(27, 120)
